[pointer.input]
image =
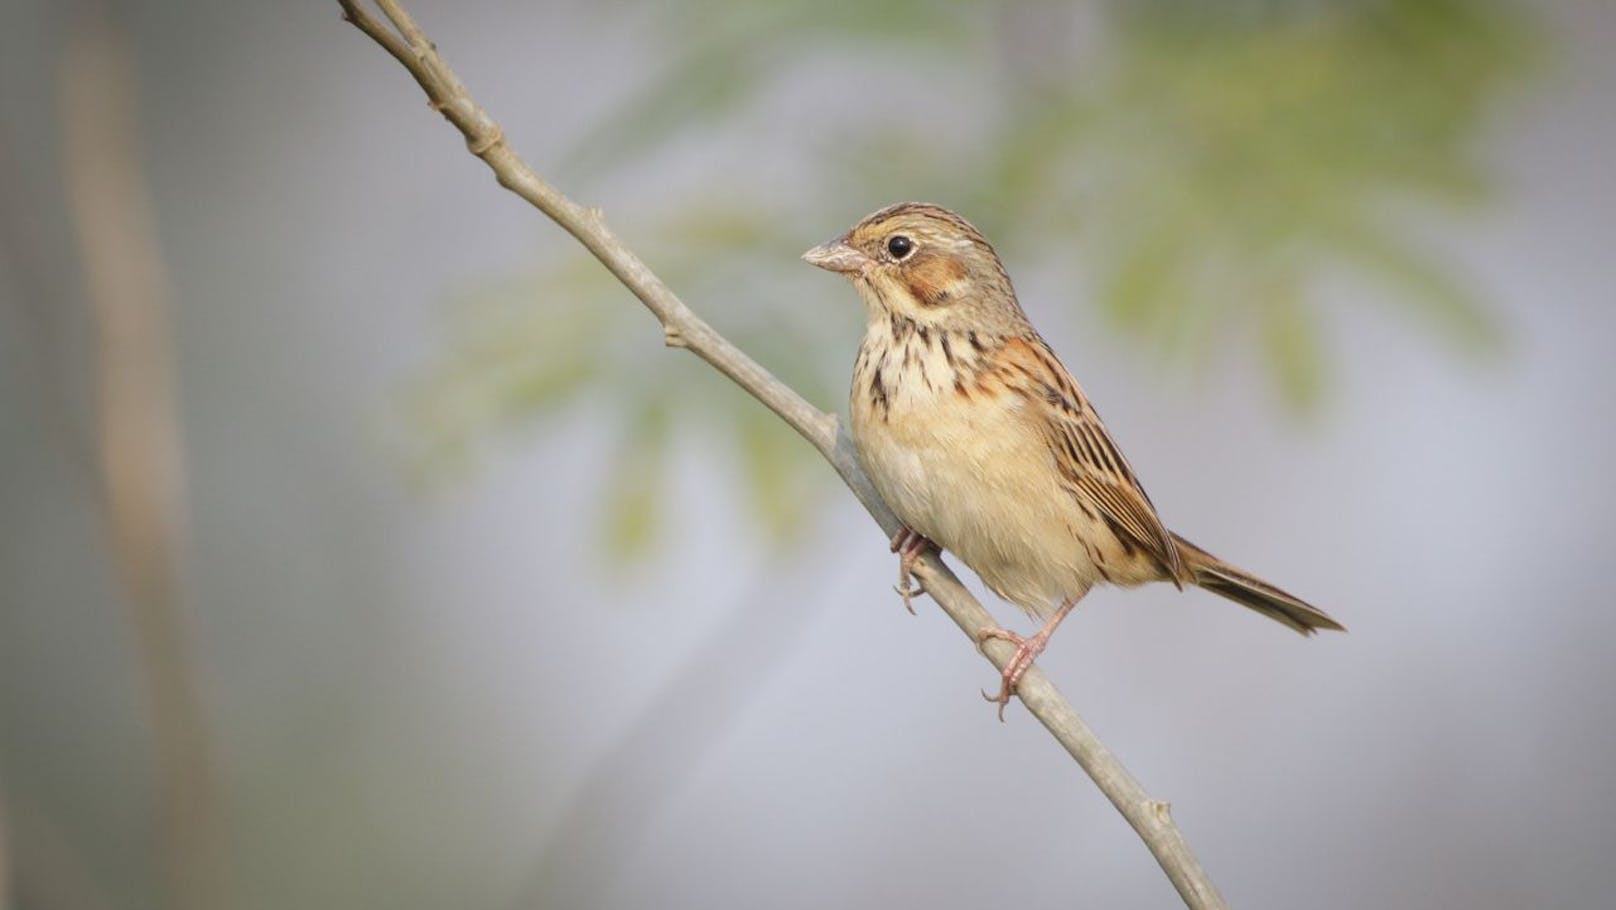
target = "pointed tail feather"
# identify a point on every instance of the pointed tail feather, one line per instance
(1248, 590)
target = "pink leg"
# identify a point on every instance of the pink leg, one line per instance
(1027, 651)
(910, 546)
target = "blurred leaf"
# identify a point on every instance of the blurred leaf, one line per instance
(1202, 170)
(777, 466)
(1147, 277)
(1432, 292)
(1292, 341)
(635, 484)
(694, 90)
(728, 54)
(1226, 137)
(520, 348)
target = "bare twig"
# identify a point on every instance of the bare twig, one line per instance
(140, 461)
(409, 45)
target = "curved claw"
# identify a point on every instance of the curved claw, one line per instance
(1027, 650)
(908, 595)
(910, 546)
(1002, 699)
(1012, 671)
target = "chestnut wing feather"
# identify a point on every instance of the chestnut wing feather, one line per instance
(1087, 457)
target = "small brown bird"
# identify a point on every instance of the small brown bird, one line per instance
(980, 441)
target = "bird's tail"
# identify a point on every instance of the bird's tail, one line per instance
(1244, 588)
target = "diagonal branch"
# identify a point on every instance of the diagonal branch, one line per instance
(681, 327)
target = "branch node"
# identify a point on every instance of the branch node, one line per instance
(673, 338)
(487, 142)
(1163, 810)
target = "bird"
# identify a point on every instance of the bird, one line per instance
(983, 445)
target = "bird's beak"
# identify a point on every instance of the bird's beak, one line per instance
(837, 256)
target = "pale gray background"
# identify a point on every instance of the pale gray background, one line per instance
(408, 689)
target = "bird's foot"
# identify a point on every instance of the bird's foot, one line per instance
(1027, 650)
(910, 546)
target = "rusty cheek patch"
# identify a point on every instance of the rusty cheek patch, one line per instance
(932, 280)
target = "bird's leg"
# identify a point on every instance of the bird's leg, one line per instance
(910, 546)
(1027, 651)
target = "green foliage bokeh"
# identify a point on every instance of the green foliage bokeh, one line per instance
(1200, 172)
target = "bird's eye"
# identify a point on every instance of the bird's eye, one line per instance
(900, 246)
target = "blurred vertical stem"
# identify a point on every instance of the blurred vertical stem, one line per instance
(5, 857)
(140, 463)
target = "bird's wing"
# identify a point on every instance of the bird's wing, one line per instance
(1086, 457)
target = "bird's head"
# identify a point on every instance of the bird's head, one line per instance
(925, 263)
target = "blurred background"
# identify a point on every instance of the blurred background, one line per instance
(365, 548)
